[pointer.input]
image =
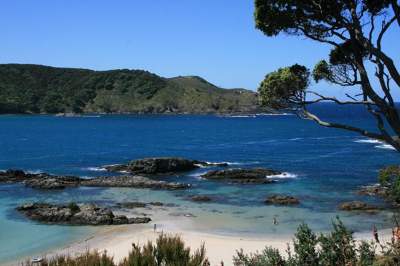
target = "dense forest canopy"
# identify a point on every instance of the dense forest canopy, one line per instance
(44, 89)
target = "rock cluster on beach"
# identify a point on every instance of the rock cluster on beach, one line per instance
(358, 206)
(282, 200)
(138, 204)
(46, 181)
(76, 214)
(242, 176)
(200, 198)
(374, 190)
(154, 166)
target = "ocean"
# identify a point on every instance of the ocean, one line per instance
(323, 167)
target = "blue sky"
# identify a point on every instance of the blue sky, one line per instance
(213, 39)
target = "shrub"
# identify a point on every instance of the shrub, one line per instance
(337, 248)
(390, 178)
(269, 257)
(73, 207)
(168, 251)
(92, 258)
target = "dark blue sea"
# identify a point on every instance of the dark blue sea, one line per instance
(322, 167)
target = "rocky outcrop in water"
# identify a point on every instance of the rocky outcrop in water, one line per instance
(242, 176)
(139, 204)
(282, 200)
(200, 198)
(154, 166)
(132, 181)
(374, 190)
(39, 181)
(46, 181)
(358, 206)
(76, 214)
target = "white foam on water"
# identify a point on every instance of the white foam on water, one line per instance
(274, 114)
(242, 163)
(382, 144)
(372, 141)
(241, 116)
(95, 169)
(283, 175)
(385, 146)
(35, 172)
(198, 175)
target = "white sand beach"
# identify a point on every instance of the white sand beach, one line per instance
(117, 241)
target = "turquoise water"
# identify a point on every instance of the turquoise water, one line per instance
(323, 168)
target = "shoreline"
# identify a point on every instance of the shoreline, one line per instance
(117, 242)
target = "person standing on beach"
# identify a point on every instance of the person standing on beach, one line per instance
(155, 228)
(375, 234)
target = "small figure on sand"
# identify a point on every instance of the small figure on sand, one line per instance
(375, 234)
(155, 228)
(396, 234)
(275, 221)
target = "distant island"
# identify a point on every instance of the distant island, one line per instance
(34, 89)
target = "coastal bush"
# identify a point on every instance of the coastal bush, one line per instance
(89, 258)
(338, 248)
(390, 177)
(73, 207)
(168, 251)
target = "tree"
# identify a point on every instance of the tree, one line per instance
(355, 30)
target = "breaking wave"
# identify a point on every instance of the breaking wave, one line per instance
(284, 175)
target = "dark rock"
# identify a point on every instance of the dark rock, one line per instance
(116, 168)
(85, 214)
(131, 205)
(282, 200)
(358, 206)
(373, 190)
(161, 165)
(121, 219)
(242, 176)
(154, 166)
(46, 181)
(39, 181)
(139, 220)
(156, 203)
(132, 181)
(201, 198)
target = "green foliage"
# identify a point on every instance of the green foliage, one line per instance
(322, 71)
(42, 89)
(338, 248)
(93, 258)
(390, 177)
(304, 243)
(367, 254)
(168, 251)
(285, 87)
(269, 257)
(310, 18)
(73, 207)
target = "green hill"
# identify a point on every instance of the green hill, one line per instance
(44, 89)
